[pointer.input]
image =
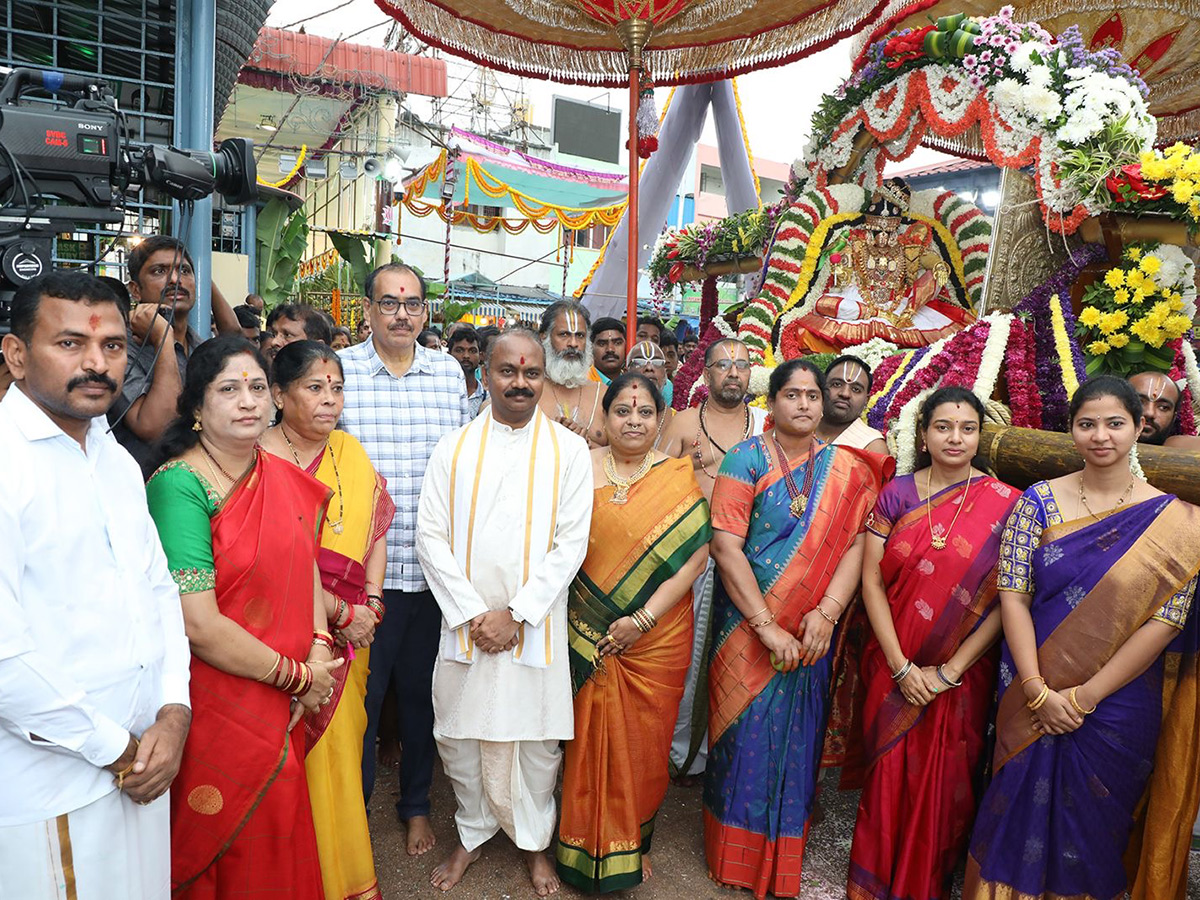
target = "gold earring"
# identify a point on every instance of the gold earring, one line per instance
(197, 426)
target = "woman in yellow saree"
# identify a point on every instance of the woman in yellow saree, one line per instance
(307, 388)
(629, 629)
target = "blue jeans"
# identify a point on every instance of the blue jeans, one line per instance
(403, 652)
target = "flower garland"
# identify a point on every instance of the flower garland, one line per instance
(1076, 114)
(1048, 363)
(883, 399)
(993, 355)
(966, 357)
(1062, 344)
(1024, 399)
(290, 175)
(902, 439)
(874, 352)
(1191, 371)
(1186, 413)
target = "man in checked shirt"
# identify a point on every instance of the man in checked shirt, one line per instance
(400, 398)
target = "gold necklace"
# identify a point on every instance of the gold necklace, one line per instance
(335, 524)
(622, 485)
(1124, 498)
(939, 540)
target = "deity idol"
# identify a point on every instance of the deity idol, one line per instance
(887, 278)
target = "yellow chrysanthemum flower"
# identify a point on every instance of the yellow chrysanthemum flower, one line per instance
(1135, 279)
(1143, 329)
(1175, 303)
(1119, 340)
(1090, 316)
(1183, 190)
(1121, 297)
(1176, 326)
(1113, 321)
(1137, 297)
(1098, 348)
(1178, 149)
(1134, 253)
(1194, 208)
(1150, 264)
(1191, 166)
(1115, 278)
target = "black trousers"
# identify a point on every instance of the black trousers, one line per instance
(403, 652)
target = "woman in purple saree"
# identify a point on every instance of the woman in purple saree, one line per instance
(1096, 730)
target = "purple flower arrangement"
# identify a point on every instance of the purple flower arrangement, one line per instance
(1035, 307)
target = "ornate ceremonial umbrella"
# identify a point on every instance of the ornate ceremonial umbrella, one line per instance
(613, 42)
(1159, 38)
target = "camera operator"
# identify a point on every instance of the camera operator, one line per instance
(162, 285)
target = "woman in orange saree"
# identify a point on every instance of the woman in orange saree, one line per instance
(307, 387)
(929, 667)
(788, 515)
(239, 528)
(630, 634)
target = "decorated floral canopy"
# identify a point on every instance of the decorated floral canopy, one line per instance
(576, 41)
(1160, 40)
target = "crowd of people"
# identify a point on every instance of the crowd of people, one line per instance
(232, 561)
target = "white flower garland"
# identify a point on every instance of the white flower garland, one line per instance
(902, 437)
(1135, 464)
(760, 378)
(873, 352)
(1192, 370)
(993, 355)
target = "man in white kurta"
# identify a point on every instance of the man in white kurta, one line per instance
(502, 528)
(93, 655)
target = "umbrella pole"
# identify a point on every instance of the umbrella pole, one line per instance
(631, 212)
(634, 34)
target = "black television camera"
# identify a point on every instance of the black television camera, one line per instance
(62, 168)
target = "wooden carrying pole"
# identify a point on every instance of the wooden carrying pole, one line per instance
(1022, 456)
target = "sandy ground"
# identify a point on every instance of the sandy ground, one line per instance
(679, 870)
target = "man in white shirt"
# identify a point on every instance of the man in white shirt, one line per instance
(503, 527)
(94, 662)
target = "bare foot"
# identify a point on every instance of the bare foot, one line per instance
(450, 872)
(421, 838)
(541, 873)
(389, 754)
(647, 869)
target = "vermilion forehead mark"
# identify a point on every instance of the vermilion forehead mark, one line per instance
(329, 378)
(94, 321)
(522, 360)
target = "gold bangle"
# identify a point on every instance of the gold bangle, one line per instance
(769, 620)
(272, 672)
(1039, 701)
(1075, 703)
(826, 616)
(841, 603)
(1033, 678)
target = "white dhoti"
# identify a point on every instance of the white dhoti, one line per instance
(689, 746)
(111, 848)
(502, 784)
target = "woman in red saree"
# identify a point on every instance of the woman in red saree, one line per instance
(240, 529)
(929, 667)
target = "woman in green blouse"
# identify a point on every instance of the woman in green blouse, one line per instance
(240, 531)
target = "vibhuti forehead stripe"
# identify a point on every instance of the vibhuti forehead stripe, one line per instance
(1162, 382)
(572, 321)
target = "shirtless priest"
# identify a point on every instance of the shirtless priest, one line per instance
(499, 561)
(705, 434)
(571, 398)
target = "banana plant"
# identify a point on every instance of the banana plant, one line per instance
(282, 239)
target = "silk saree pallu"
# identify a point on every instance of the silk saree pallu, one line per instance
(359, 515)
(923, 763)
(1059, 813)
(766, 727)
(240, 818)
(616, 769)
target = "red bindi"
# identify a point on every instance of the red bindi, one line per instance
(94, 321)
(329, 378)
(522, 360)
